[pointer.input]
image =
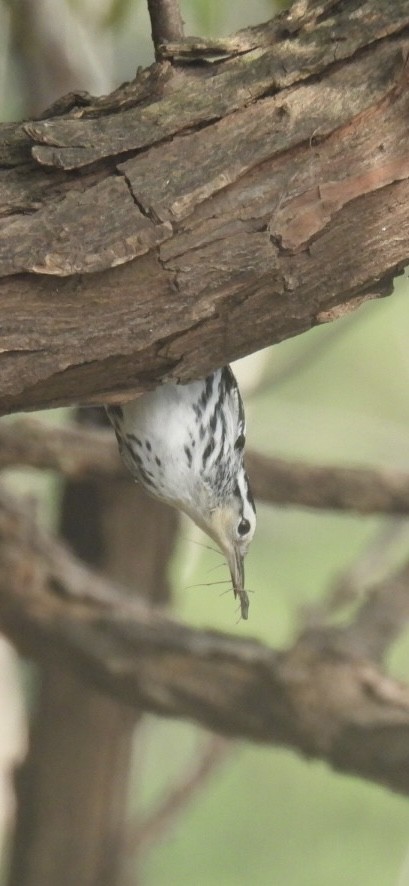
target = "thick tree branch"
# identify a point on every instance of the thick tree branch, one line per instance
(80, 453)
(56, 609)
(228, 207)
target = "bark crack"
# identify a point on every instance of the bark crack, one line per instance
(143, 209)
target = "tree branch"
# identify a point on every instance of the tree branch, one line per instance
(296, 165)
(80, 453)
(56, 609)
(146, 833)
(74, 451)
(297, 483)
(354, 582)
(166, 22)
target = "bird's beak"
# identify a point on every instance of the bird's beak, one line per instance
(219, 528)
(236, 565)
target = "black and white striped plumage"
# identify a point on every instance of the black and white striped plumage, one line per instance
(185, 444)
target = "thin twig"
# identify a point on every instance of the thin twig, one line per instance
(355, 582)
(146, 834)
(381, 618)
(384, 602)
(166, 23)
(314, 350)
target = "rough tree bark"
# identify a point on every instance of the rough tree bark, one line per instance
(230, 197)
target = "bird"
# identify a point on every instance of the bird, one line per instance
(185, 444)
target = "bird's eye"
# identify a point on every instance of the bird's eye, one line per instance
(239, 444)
(243, 527)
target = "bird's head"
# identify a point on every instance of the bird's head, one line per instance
(231, 524)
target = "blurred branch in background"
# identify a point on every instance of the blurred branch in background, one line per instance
(13, 738)
(57, 610)
(75, 778)
(143, 835)
(82, 453)
(382, 603)
(308, 355)
(375, 562)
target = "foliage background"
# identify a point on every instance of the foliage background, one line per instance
(338, 394)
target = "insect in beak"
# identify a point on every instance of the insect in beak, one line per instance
(235, 563)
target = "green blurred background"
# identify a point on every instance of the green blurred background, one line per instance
(338, 394)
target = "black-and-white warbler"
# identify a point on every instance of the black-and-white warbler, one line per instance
(185, 444)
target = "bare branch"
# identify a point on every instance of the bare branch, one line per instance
(318, 697)
(73, 451)
(362, 490)
(352, 585)
(79, 452)
(166, 22)
(378, 622)
(380, 619)
(145, 834)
